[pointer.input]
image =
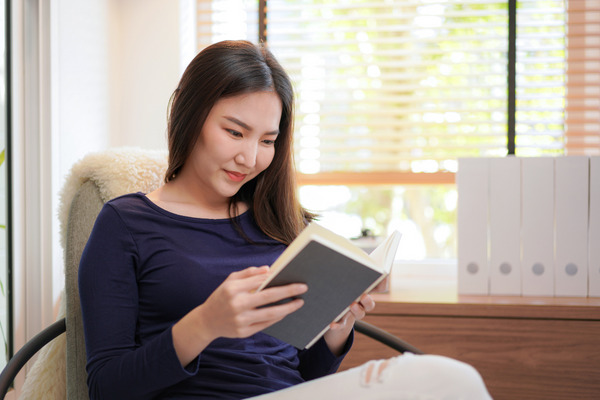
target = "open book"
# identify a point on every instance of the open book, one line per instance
(337, 273)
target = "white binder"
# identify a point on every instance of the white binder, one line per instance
(537, 226)
(505, 226)
(571, 242)
(594, 229)
(472, 225)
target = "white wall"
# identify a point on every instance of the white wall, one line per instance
(116, 63)
(81, 78)
(144, 40)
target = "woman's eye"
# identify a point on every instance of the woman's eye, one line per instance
(269, 142)
(234, 133)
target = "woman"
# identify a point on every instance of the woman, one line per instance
(168, 278)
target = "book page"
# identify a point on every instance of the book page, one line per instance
(339, 241)
(315, 232)
(385, 253)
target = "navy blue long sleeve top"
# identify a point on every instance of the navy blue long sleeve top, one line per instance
(142, 270)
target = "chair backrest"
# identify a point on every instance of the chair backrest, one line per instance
(85, 207)
(94, 180)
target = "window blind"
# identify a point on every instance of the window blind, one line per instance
(540, 77)
(226, 20)
(582, 122)
(396, 91)
(393, 87)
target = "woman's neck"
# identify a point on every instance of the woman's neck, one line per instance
(180, 199)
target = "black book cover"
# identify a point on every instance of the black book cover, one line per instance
(334, 282)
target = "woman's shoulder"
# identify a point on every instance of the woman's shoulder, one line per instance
(127, 199)
(127, 202)
(130, 204)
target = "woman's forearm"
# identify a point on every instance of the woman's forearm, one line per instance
(191, 336)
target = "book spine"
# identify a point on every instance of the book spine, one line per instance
(316, 338)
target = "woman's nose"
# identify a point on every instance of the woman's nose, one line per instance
(246, 155)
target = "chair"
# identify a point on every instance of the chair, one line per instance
(94, 180)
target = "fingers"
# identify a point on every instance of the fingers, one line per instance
(246, 280)
(258, 317)
(367, 303)
(251, 271)
(245, 283)
(251, 317)
(265, 317)
(236, 309)
(347, 318)
(278, 293)
(251, 278)
(270, 315)
(358, 310)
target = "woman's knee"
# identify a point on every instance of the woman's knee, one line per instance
(438, 376)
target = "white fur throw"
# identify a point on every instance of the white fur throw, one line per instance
(115, 172)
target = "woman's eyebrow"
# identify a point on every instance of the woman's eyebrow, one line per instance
(246, 126)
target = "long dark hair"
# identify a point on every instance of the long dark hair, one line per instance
(231, 68)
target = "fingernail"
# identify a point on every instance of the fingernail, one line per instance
(303, 287)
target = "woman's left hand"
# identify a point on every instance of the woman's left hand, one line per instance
(338, 332)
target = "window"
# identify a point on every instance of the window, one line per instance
(391, 93)
(540, 77)
(5, 301)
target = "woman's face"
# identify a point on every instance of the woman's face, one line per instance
(236, 143)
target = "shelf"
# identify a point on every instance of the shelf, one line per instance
(437, 295)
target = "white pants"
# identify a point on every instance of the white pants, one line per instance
(406, 377)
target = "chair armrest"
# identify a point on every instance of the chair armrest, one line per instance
(24, 354)
(385, 337)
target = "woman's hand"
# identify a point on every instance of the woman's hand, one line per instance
(234, 310)
(338, 332)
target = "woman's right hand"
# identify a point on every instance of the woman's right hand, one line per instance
(234, 310)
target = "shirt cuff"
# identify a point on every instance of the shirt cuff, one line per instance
(189, 370)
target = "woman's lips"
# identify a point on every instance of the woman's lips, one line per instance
(236, 176)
